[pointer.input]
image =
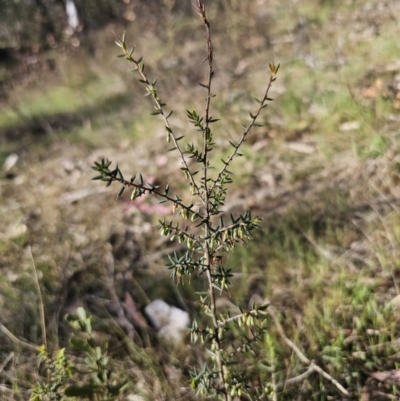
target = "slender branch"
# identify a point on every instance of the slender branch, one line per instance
(253, 312)
(153, 191)
(228, 244)
(221, 230)
(206, 129)
(245, 133)
(178, 231)
(160, 110)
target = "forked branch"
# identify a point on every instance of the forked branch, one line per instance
(312, 367)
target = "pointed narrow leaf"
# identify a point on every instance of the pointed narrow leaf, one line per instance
(120, 192)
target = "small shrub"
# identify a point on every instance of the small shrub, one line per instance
(233, 343)
(203, 228)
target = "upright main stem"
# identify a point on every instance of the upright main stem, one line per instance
(207, 194)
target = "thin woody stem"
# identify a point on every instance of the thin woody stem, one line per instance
(206, 129)
(171, 199)
(207, 251)
(253, 312)
(160, 110)
(245, 132)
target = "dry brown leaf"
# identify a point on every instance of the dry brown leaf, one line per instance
(136, 317)
(393, 375)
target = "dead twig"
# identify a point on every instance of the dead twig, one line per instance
(300, 378)
(312, 367)
(41, 305)
(8, 359)
(15, 339)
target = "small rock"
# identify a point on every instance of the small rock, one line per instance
(171, 322)
(134, 397)
(350, 126)
(10, 162)
(15, 231)
(301, 147)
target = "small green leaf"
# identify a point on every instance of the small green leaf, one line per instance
(88, 325)
(79, 344)
(81, 313)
